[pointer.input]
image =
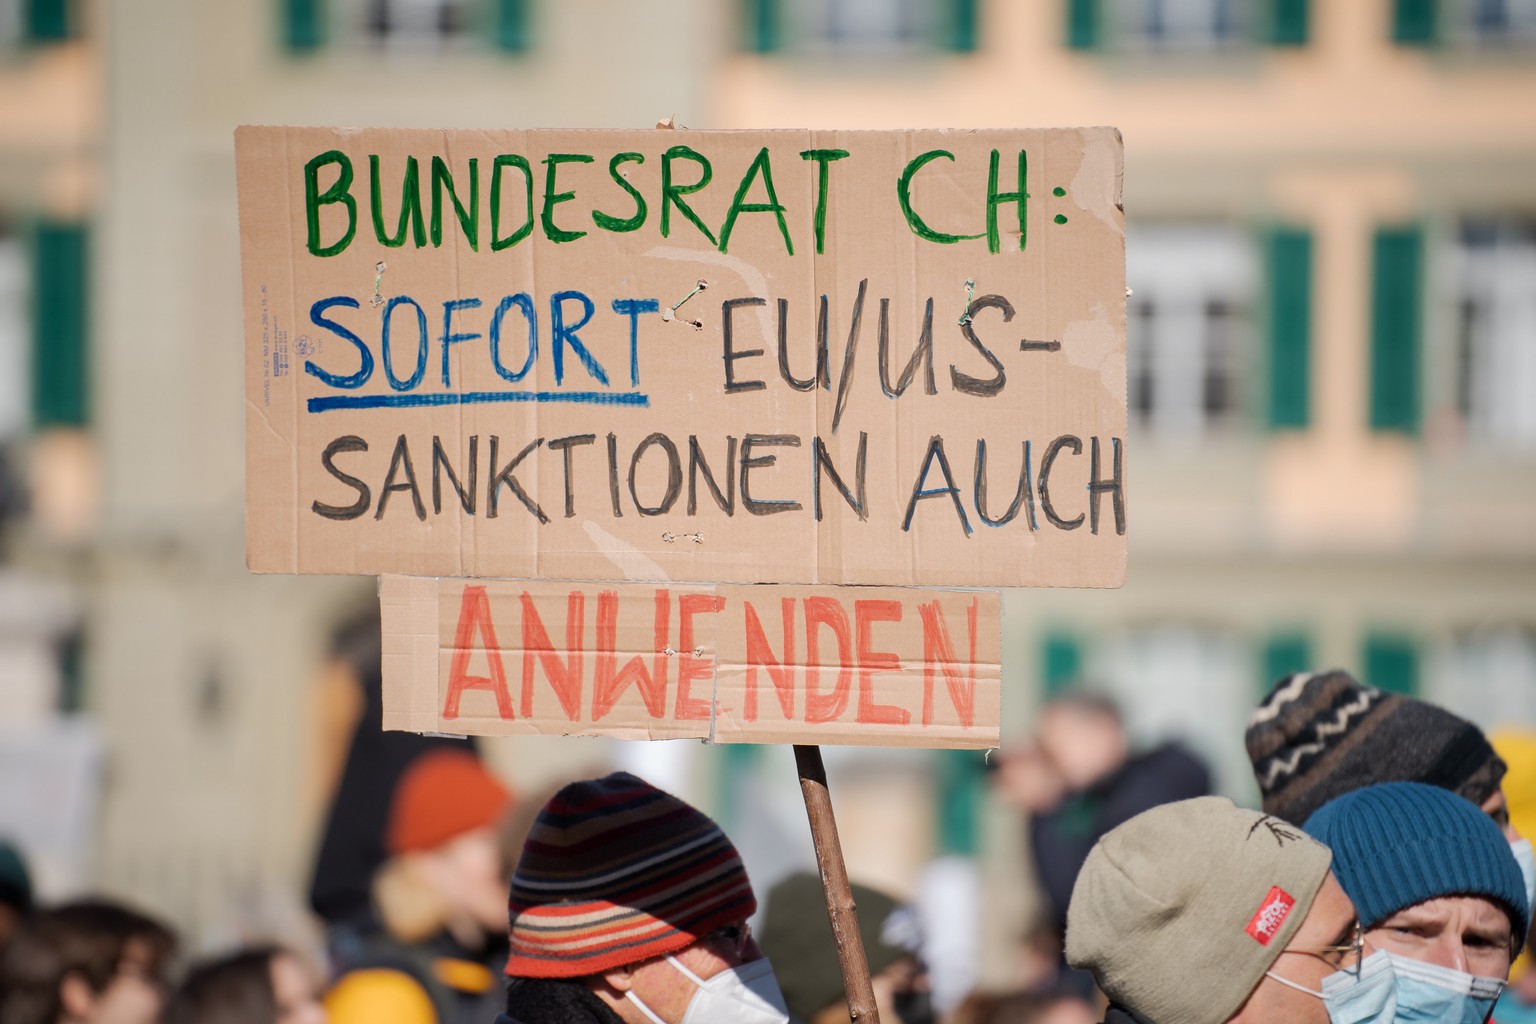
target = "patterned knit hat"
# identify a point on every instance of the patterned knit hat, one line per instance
(443, 794)
(1401, 843)
(1319, 735)
(614, 872)
(1180, 911)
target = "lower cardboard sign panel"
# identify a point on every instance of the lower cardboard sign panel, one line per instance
(728, 663)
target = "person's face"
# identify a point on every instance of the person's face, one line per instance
(906, 976)
(1083, 746)
(1497, 808)
(665, 989)
(466, 870)
(1466, 933)
(134, 995)
(293, 989)
(1329, 922)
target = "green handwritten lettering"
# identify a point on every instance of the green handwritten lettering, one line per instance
(339, 192)
(904, 193)
(671, 195)
(823, 158)
(504, 161)
(739, 205)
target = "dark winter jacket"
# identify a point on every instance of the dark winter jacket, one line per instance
(551, 1001)
(436, 980)
(1120, 1015)
(1061, 839)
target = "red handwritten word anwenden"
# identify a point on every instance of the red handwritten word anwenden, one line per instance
(817, 656)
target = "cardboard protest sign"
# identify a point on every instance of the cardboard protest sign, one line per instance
(764, 356)
(728, 663)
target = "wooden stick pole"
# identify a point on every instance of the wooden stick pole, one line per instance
(834, 883)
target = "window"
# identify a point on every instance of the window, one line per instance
(12, 30)
(1188, 683)
(880, 28)
(31, 22)
(412, 24)
(1470, 23)
(1190, 330)
(1489, 676)
(1494, 352)
(405, 26)
(1198, 25)
(15, 339)
(1185, 26)
(861, 25)
(1496, 22)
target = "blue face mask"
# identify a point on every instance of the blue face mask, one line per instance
(1430, 993)
(1510, 1010)
(1366, 996)
(1525, 856)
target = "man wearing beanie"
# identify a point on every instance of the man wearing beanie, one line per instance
(439, 897)
(1319, 735)
(1200, 912)
(1432, 877)
(798, 937)
(629, 905)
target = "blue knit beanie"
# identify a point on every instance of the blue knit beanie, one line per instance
(1401, 843)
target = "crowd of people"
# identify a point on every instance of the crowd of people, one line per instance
(1384, 879)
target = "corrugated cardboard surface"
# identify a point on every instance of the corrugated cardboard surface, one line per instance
(735, 664)
(589, 514)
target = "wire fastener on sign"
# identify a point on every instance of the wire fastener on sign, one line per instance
(670, 313)
(378, 284)
(970, 296)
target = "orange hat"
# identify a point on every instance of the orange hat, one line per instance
(442, 794)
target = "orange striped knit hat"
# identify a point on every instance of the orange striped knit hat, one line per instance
(615, 872)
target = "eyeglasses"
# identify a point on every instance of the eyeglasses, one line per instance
(733, 936)
(1346, 957)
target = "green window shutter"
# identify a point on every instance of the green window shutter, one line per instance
(72, 673)
(1290, 327)
(303, 25)
(1414, 22)
(1082, 24)
(61, 322)
(1061, 662)
(738, 761)
(46, 21)
(762, 25)
(512, 25)
(1288, 22)
(1284, 653)
(961, 37)
(962, 784)
(1395, 328)
(1392, 663)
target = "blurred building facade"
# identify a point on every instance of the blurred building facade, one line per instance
(1332, 255)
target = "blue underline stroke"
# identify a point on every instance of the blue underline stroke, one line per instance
(409, 401)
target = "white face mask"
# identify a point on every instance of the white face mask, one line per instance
(748, 994)
(1525, 856)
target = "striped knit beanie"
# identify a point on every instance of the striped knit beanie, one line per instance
(1319, 735)
(614, 872)
(1398, 844)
